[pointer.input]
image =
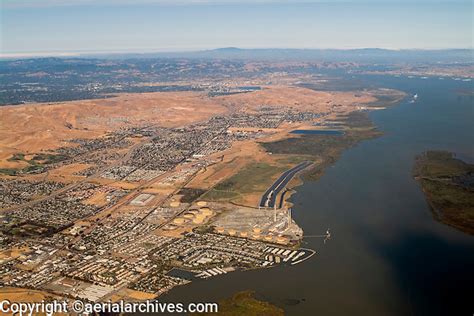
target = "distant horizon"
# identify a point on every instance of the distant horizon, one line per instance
(52, 27)
(79, 53)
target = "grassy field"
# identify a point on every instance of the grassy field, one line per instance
(448, 184)
(244, 303)
(254, 178)
(189, 194)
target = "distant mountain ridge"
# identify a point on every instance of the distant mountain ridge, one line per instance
(350, 55)
(377, 55)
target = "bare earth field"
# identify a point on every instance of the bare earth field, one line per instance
(39, 127)
(298, 98)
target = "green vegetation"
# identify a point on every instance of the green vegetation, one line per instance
(439, 164)
(204, 229)
(36, 164)
(32, 169)
(49, 158)
(24, 229)
(109, 274)
(216, 195)
(244, 303)
(9, 171)
(189, 195)
(327, 148)
(17, 157)
(148, 245)
(294, 159)
(359, 120)
(448, 184)
(256, 177)
(359, 128)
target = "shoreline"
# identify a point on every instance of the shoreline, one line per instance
(446, 184)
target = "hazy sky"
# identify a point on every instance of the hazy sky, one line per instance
(157, 25)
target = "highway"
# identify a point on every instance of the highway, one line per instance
(269, 197)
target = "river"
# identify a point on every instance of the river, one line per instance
(387, 255)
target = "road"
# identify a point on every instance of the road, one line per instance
(269, 197)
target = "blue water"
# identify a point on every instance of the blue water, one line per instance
(387, 255)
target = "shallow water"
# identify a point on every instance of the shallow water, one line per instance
(387, 255)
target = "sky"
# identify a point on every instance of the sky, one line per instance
(64, 26)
